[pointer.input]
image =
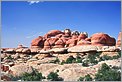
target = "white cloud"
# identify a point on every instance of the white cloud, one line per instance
(32, 2)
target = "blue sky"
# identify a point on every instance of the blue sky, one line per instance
(24, 21)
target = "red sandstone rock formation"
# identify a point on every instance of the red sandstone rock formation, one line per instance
(84, 42)
(59, 44)
(38, 42)
(52, 33)
(82, 36)
(71, 42)
(102, 39)
(119, 40)
(58, 39)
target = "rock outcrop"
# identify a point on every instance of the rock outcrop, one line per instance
(37, 42)
(59, 39)
(102, 39)
(119, 40)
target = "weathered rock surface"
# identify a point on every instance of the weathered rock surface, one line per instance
(71, 42)
(70, 72)
(10, 50)
(53, 33)
(58, 50)
(38, 42)
(119, 40)
(102, 39)
(86, 48)
(84, 42)
(82, 36)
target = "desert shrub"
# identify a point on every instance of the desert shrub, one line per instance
(78, 59)
(13, 78)
(33, 76)
(85, 63)
(81, 79)
(86, 78)
(62, 63)
(92, 59)
(71, 59)
(107, 74)
(53, 76)
(9, 57)
(105, 57)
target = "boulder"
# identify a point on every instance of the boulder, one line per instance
(74, 36)
(47, 45)
(119, 40)
(41, 56)
(71, 42)
(59, 50)
(59, 44)
(88, 39)
(52, 33)
(38, 42)
(45, 51)
(82, 36)
(110, 49)
(109, 54)
(59, 35)
(102, 39)
(18, 70)
(10, 50)
(5, 68)
(5, 78)
(19, 50)
(3, 55)
(65, 39)
(52, 41)
(67, 33)
(34, 50)
(83, 48)
(26, 50)
(84, 42)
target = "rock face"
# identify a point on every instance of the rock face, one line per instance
(71, 42)
(38, 42)
(102, 39)
(59, 44)
(119, 40)
(59, 39)
(82, 36)
(84, 42)
(52, 33)
(86, 48)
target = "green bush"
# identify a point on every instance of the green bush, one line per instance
(71, 59)
(33, 76)
(107, 74)
(78, 59)
(9, 57)
(92, 59)
(81, 79)
(53, 76)
(105, 57)
(86, 78)
(85, 63)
